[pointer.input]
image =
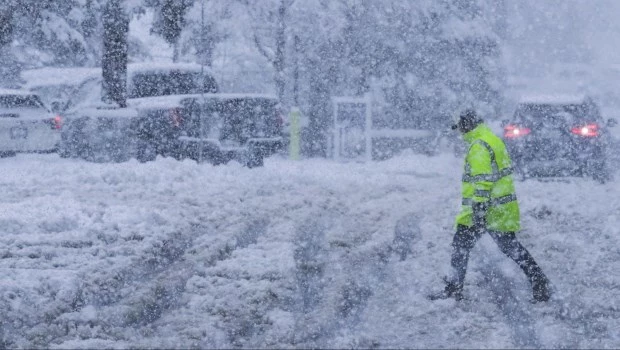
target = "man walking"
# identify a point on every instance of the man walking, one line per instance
(489, 205)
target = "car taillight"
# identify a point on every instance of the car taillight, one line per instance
(588, 130)
(514, 131)
(175, 117)
(55, 123)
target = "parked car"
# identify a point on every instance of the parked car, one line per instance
(58, 87)
(26, 124)
(218, 128)
(99, 134)
(558, 135)
(147, 127)
(172, 101)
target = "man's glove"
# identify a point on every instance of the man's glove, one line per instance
(480, 211)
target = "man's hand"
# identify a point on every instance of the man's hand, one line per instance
(480, 211)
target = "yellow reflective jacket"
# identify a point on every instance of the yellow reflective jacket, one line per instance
(488, 179)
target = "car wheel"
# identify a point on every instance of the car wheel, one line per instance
(178, 154)
(64, 151)
(601, 173)
(214, 157)
(119, 156)
(255, 158)
(146, 152)
(86, 152)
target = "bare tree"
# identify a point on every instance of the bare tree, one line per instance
(170, 21)
(277, 56)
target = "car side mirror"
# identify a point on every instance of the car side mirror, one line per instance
(611, 122)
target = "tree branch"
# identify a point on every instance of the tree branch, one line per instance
(262, 50)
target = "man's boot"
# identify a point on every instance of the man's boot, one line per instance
(452, 290)
(540, 289)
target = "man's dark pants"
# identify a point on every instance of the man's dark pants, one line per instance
(465, 239)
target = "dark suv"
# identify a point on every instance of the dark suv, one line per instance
(558, 136)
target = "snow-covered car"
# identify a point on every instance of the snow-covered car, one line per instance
(179, 114)
(59, 87)
(559, 135)
(26, 124)
(219, 127)
(150, 125)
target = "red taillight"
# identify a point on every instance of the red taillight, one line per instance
(55, 123)
(515, 131)
(175, 117)
(588, 130)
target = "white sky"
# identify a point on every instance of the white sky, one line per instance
(541, 32)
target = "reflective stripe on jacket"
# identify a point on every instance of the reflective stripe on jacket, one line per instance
(488, 179)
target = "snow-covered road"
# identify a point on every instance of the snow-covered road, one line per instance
(296, 254)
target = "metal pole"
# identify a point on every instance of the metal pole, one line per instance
(336, 132)
(202, 77)
(368, 127)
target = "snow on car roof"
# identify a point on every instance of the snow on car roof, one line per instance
(239, 95)
(16, 92)
(109, 112)
(158, 66)
(553, 98)
(51, 76)
(157, 102)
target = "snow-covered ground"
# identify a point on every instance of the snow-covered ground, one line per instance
(296, 254)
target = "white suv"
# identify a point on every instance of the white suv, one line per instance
(26, 124)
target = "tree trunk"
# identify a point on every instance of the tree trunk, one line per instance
(280, 78)
(9, 67)
(319, 111)
(114, 62)
(297, 45)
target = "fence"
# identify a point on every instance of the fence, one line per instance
(355, 139)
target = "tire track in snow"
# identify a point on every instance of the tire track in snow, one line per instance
(513, 309)
(344, 301)
(136, 295)
(158, 284)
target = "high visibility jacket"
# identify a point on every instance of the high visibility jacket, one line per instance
(488, 179)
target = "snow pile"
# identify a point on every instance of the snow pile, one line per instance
(296, 254)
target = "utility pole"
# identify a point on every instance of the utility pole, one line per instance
(202, 76)
(295, 113)
(297, 48)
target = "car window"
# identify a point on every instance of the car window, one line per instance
(148, 84)
(556, 114)
(88, 93)
(20, 101)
